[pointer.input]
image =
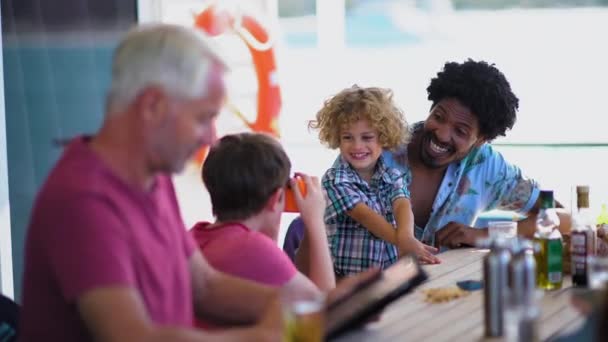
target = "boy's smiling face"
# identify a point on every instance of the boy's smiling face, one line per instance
(359, 146)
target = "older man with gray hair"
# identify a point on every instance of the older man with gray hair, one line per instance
(107, 255)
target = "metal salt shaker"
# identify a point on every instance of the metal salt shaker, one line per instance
(522, 271)
(522, 281)
(496, 281)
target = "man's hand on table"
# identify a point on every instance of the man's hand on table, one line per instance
(457, 235)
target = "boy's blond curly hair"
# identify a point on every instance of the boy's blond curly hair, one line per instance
(356, 103)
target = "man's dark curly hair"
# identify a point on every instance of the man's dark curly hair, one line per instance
(483, 89)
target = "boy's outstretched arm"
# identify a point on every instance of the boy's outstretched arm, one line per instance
(373, 222)
(403, 236)
(406, 242)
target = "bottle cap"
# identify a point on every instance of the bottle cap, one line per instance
(546, 199)
(582, 196)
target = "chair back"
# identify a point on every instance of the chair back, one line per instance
(293, 237)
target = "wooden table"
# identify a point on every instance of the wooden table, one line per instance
(412, 319)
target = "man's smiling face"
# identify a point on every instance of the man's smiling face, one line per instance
(450, 132)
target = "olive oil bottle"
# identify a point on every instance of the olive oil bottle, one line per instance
(549, 258)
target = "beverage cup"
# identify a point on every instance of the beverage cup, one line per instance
(597, 272)
(304, 317)
(502, 229)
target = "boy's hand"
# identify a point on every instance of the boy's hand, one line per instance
(422, 251)
(312, 206)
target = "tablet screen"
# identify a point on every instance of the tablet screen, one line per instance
(368, 300)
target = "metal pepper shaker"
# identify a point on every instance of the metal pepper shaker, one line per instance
(522, 271)
(496, 282)
(523, 299)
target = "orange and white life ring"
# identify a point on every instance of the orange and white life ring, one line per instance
(215, 22)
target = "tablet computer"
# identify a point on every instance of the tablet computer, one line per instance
(370, 298)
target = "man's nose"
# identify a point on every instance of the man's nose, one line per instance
(443, 133)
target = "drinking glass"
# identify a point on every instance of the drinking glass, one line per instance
(597, 272)
(502, 229)
(304, 317)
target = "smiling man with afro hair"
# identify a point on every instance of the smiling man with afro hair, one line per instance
(455, 172)
(483, 89)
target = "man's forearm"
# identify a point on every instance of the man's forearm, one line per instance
(163, 334)
(231, 300)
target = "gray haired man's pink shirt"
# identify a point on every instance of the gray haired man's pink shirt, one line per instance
(88, 230)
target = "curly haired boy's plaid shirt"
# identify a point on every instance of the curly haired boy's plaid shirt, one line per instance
(352, 246)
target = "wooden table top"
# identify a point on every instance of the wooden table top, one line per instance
(412, 319)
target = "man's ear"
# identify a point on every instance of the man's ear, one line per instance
(480, 141)
(276, 201)
(152, 104)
